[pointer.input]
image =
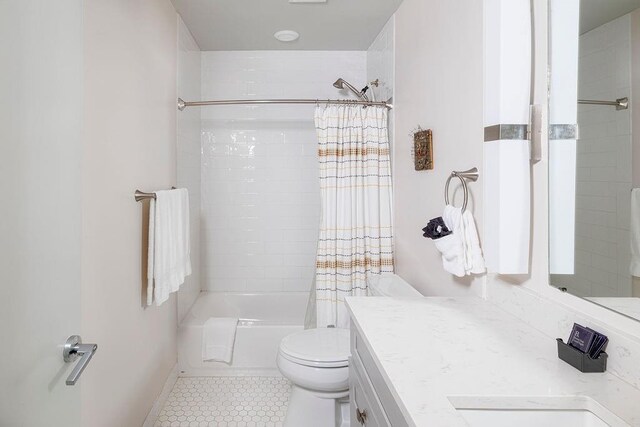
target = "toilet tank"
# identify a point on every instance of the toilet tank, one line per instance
(390, 285)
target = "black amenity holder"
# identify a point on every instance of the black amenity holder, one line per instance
(579, 360)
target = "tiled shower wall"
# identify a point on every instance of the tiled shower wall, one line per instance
(603, 182)
(380, 61)
(260, 191)
(380, 66)
(188, 141)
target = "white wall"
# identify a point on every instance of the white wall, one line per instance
(260, 191)
(188, 123)
(438, 85)
(603, 180)
(129, 142)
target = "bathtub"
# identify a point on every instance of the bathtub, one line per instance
(264, 320)
(391, 285)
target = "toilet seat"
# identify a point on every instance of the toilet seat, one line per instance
(320, 348)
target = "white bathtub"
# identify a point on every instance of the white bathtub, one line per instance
(264, 320)
(391, 285)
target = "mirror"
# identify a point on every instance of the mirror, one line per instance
(594, 157)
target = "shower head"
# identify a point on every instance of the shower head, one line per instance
(343, 84)
(339, 84)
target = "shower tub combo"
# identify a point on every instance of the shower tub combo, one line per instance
(264, 319)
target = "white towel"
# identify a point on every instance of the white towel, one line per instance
(218, 336)
(452, 246)
(150, 250)
(461, 253)
(169, 254)
(474, 261)
(635, 232)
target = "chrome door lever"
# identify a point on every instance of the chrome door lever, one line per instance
(74, 349)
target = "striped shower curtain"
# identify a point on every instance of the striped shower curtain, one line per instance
(355, 239)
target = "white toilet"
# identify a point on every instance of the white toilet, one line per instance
(316, 361)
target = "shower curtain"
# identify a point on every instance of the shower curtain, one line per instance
(355, 227)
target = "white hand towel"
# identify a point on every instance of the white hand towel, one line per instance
(452, 246)
(474, 261)
(635, 232)
(218, 337)
(461, 252)
(169, 244)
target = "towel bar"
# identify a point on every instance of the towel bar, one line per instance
(471, 175)
(141, 195)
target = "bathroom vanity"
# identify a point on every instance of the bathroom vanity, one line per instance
(464, 361)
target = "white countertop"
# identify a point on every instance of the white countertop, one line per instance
(431, 350)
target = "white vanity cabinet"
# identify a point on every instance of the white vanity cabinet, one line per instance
(372, 404)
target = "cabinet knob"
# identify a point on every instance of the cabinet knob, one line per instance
(361, 416)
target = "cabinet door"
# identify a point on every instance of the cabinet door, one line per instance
(365, 409)
(372, 380)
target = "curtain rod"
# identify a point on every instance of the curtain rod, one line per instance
(184, 104)
(620, 103)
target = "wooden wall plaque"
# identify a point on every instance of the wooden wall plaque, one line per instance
(423, 150)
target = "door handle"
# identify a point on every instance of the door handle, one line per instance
(74, 349)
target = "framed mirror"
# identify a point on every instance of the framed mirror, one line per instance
(594, 153)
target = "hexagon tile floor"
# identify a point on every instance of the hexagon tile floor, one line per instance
(226, 402)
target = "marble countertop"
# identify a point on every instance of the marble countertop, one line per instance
(435, 351)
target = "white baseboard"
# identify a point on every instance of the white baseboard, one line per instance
(152, 416)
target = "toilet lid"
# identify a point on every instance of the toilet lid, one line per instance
(327, 347)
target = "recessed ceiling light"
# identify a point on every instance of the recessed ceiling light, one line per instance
(286, 35)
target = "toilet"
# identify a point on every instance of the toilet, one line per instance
(316, 361)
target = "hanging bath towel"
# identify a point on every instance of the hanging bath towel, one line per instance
(169, 253)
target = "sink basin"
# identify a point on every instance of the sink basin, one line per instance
(534, 411)
(530, 418)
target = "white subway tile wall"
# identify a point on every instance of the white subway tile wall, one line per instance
(188, 141)
(381, 67)
(603, 184)
(260, 191)
(380, 61)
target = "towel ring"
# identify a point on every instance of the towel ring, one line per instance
(463, 176)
